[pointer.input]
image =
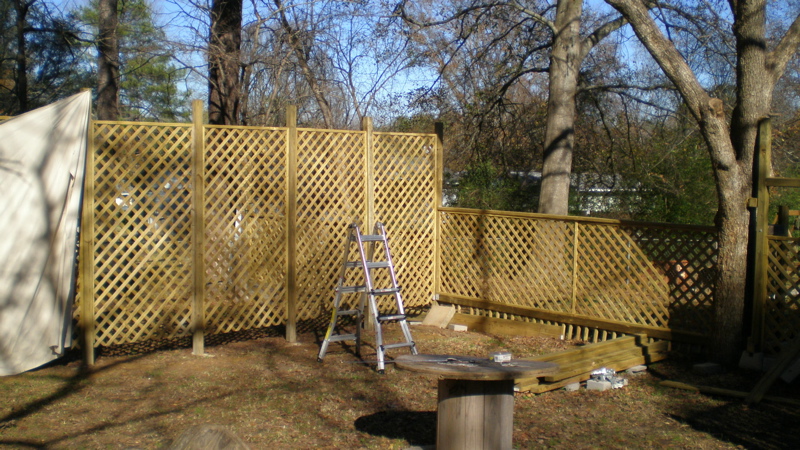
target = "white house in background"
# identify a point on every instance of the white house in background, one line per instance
(597, 193)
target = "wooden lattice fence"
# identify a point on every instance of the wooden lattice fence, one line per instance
(775, 316)
(192, 229)
(620, 276)
(781, 313)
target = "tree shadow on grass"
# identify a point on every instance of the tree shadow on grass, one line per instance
(766, 425)
(416, 427)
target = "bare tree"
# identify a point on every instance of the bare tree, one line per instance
(731, 146)
(568, 49)
(301, 41)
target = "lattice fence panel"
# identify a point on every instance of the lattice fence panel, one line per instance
(142, 223)
(782, 309)
(617, 280)
(644, 275)
(404, 169)
(686, 258)
(245, 228)
(519, 261)
(330, 196)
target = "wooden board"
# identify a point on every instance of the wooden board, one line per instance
(506, 327)
(576, 365)
(439, 316)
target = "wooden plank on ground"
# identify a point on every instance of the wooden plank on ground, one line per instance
(710, 390)
(505, 327)
(589, 364)
(785, 358)
(576, 365)
(578, 353)
(533, 386)
(439, 316)
(537, 386)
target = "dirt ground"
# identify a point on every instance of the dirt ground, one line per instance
(274, 394)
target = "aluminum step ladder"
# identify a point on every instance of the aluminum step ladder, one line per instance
(368, 292)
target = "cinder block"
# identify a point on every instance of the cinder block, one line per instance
(636, 369)
(594, 385)
(791, 373)
(439, 315)
(457, 327)
(707, 368)
(751, 361)
(572, 387)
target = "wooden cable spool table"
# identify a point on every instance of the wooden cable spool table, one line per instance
(476, 397)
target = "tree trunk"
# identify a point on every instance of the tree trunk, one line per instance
(21, 78)
(224, 62)
(108, 61)
(727, 336)
(731, 148)
(565, 62)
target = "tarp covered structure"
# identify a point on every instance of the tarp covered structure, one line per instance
(42, 156)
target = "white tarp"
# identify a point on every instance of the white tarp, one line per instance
(42, 156)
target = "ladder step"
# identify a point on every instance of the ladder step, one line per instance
(348, 312)
(386, 291)
(400, 345)
(370, 264)
(342, 337)
(350, 289)
(387, 317)
(355, 289)
(371, 238)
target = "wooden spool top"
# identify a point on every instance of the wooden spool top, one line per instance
(471, 368)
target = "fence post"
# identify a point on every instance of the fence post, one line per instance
(369, 194)
(369, 173)
(198, 257)
(86, 255)
(438, 128)
(291, 224)
(573, 290)
(763, 164)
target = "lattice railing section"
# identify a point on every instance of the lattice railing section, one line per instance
(782, 309)
(404, 169)
(616, 280)
(507, 259)
(331, 194)
(142, 231)
(643, 275)
(686, 258)
(245, 228)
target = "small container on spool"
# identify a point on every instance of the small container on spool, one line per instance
(500, 357)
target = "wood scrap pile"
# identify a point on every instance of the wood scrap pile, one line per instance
(577, 364)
